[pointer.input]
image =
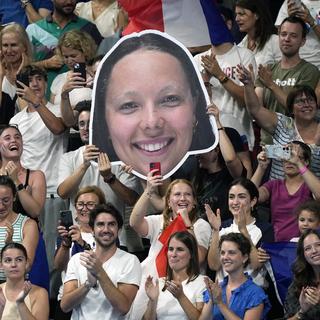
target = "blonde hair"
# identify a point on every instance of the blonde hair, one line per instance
(78, 40)
(23, 39)
(167, 212)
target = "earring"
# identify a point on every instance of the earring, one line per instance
(195, 126)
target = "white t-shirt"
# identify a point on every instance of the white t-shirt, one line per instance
(310, 51)
(269, 54)
(202, 231)
(168, 307)
(42, 150)
(232, 114)
(71, 161)
(122, 267)
(75, 96)
(105, 22)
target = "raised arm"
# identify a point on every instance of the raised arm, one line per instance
(212, 68)
(33, 15)
(229, 155)
(263, 163)
(137, 218)
(32, 199)
(73, 179)
(213, 253)
(265, 118)
(128, 195)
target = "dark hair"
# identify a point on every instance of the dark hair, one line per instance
(306, 151)
(7, 182)
(226, 13)
(158, 43)
(7, 126)
(248, 185)
(193, 269)
(105, 208)
(240, 240)
(33, 70)
(167, 211)
(303, 273)
(294, 19)
(14, 245)
(311, 206)
(84, 105)
(91, 189)
(264, 26)
(298, 91)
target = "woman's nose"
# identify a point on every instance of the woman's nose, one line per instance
(151, 118)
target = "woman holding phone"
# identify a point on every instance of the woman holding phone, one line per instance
(77, 48)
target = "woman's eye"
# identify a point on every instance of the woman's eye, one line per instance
(171, 100)
(128, 107)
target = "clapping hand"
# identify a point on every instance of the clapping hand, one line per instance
(152, 290)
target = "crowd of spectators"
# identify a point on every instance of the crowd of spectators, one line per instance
(187, 247)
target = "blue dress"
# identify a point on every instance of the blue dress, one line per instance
(243, 298)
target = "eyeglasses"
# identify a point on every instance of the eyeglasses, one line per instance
(303, 101)
(89, 205)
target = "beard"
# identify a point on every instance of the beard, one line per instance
(104, 245)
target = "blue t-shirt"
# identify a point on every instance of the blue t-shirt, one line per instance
(11, 10)
(243, 298)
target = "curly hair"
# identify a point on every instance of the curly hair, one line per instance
(167, 212)
(303, 273)
(78, 40)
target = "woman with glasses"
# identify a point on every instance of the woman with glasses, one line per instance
(301, 125)
(79, 236)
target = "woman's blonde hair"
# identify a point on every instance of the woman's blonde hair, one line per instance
(78, 40)
(167, 212)
(22, 36)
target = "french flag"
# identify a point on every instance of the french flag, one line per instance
(194, 23)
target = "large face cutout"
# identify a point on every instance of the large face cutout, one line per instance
(149, 105)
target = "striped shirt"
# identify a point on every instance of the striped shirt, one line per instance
(17, 226)
(284, 133)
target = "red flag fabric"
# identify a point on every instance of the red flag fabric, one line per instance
(161, 261)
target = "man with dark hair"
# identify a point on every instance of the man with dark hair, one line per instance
(102, 284)
(276, 81)
(44, 142)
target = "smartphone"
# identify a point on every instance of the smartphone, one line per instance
(156, 165)
(275, 151)
(81, 68)
(66, 219)
(22, 78)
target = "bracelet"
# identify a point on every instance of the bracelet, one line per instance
(190, 227)
(300, 314)
(220, 129)
(86, 246)
(63, 244)
(36, 106)
(223, 79)
(303, 170)
(110, 178)
(20, 187)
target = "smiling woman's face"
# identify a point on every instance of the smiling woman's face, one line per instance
(149, 110)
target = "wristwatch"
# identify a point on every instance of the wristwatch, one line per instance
(223, 79)
(190, 227)
(20, 187)
(24, 3)
(110, 178)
